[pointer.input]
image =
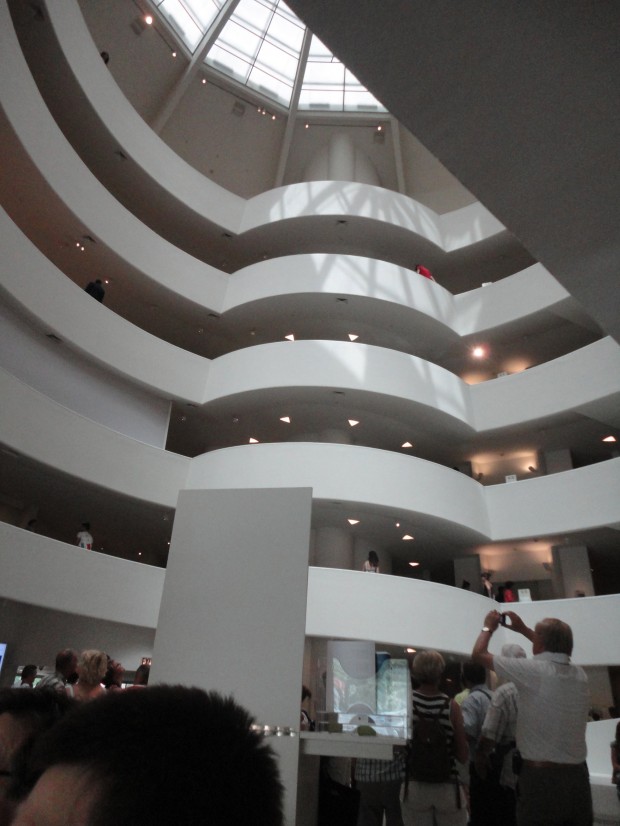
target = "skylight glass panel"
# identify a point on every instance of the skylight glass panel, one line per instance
(266, 37)
(189, 18)
(328, 85)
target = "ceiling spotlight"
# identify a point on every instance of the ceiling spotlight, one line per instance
(398, 524)
(352, 422)
(273, 117)
(478, 352)
(204, 80)
(353, 521)
(174, 54)
(410, 650)
(306, 126)
(406, 444)
(253, 441)
(407, 537)
(609, 439)
(286, 419)
(148, 20)
(379, 128)
(353, 336)
(414, 564)
(290, 337)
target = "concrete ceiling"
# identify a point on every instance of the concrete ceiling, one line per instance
(520, 101)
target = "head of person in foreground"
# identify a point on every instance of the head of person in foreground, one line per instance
(167, 755)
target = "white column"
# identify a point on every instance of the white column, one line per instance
(571, 574)
(233, 611)
(333, 548)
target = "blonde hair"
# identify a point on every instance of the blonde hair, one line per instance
(92, 666)
(428, 666)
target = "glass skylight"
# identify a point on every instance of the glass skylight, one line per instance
(260, 46)
(190, 19)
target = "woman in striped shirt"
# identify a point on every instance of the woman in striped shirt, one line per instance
(439, 803)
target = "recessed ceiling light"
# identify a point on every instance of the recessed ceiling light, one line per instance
(414, 564)
(410, 650)
(406, 444)
(353, 521)
(174, 54)
(286, 419)
(353, 422)
(148, 20)
(478, 352)
(204, 80)
(609, 439)
(398, 524)
(290, 337)
(353, 336)
(253, 441)
(407, 537)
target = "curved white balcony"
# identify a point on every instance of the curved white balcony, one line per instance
(341, 604)
(188, 187)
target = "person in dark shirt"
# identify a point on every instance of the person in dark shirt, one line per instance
(96, 289)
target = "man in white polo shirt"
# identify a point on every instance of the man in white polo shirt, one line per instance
(554, 786)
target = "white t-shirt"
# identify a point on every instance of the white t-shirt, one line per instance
(553, 706)
(85, 540)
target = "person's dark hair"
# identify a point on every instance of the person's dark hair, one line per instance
(36, 711)
(556, 636)
(474, 673)
(29, 671)
(142, 674)
(373, 558)
(64, 659)
(167, 755)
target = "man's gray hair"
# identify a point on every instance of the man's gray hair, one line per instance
(556, 636)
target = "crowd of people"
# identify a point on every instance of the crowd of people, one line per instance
(77, 752)
(80, 749)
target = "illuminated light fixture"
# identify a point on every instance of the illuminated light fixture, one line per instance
(306, 126)
(273, 117)
(290, 337)
(174, 54)
(609, 439)
(204, 80)
(406, 444)
(353, 336)
(478, 352)
(407, 537)
(139, 553)
(410, 650)
(379, 128)
(353, 422)
(106, 280)
(253, 441)
(148, 20)
(353, 521)
(397, 524)
(414, 564)
(286, 419)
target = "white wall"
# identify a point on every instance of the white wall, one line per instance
(44, 292)
(51, 574)
(54, 370)
(62, 169)
(36, 426)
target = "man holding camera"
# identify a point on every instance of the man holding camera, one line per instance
(554, 786)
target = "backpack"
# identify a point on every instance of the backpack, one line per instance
(430, 752)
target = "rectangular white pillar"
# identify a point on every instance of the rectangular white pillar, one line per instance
(233, 611)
